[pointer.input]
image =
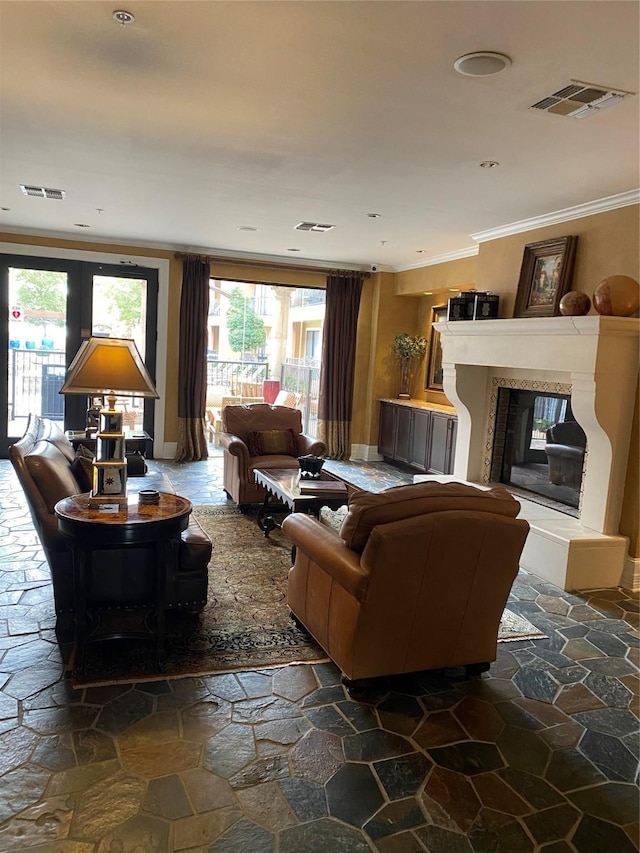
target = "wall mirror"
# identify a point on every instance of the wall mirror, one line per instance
(433, 379)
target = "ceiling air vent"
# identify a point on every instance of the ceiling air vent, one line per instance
(312, 226)
(580, 100)
(43, 192)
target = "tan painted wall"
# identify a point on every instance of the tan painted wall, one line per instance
(382, 316)
(391, 303)
(608, 244)
(438, 277)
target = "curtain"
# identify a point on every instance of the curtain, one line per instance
(335, 403)
(192, 369)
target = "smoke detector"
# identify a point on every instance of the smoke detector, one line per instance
(312, 226)
(580, 100)
(43, 192)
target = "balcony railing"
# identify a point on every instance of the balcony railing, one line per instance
(35, 378)
(237, 376)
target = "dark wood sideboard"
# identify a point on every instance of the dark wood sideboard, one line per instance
(417, 438)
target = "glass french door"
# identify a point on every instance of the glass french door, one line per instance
(50, 306)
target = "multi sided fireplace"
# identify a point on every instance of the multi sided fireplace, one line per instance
(538, 449)
(592, 361)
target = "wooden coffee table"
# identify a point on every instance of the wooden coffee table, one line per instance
(282, 484)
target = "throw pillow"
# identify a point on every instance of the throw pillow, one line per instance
(273, 441)
(82, 467)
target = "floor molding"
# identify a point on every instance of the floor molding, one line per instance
(631, 574)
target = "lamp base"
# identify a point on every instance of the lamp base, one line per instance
(107, 500)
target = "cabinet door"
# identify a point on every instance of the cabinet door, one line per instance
(420, 434)
(443, 428)
(403, 434)
(452, 446)
(387, 430)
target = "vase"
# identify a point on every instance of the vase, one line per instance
(405, 376)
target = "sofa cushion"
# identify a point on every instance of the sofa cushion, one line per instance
(272, 441)
(50, 469)
(368, 509)
(82, 467)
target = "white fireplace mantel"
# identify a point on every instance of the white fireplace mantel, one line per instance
(598, 357)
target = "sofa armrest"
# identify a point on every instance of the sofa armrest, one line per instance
(195, 547)
(307, 444)
(236, 447)
(326, 549)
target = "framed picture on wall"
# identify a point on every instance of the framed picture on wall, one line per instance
(433, 381)
(545, 276)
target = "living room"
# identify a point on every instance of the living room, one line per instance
(398, 296)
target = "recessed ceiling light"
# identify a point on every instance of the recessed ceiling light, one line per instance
(246, 228)
(489, 164)
(5, 208)
(293, 250)
(481, 63)
(81, 225)
(428, 293)
(421, 251)
(122, 17)
(374, 215)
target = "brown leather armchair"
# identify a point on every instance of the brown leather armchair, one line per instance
(565, 449)
(46, 465)
(246, 446)
(416, 579)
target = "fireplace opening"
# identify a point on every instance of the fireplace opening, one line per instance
(539, 448)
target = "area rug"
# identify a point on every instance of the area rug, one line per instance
(245, 624)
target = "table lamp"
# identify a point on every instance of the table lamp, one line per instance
(109, 367)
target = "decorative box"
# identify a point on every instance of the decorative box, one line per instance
(461, 307)
(109, 465)
(109, 480)
(110, 446)
(486, 306)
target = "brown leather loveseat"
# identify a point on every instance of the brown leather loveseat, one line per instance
(261, 436)
(416, 579)
(48, 470)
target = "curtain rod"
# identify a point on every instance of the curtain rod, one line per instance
(270, 264)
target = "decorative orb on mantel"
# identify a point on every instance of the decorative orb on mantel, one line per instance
(574, 304)
(617, 295)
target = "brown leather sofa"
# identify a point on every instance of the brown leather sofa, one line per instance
(48, 470)
(565, 449)
(246, 446)
(416, 579)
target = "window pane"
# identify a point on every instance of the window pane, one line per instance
(264, 343)
(37, 335)
(119, 311)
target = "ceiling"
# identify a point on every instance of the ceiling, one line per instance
(204, 118)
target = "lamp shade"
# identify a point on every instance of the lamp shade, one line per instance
(109, 367)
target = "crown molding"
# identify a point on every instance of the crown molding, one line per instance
(441, 259)
(601, 205)
(220, 254)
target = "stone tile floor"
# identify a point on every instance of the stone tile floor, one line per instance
(541, 753)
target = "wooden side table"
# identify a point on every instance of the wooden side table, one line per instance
(109, 526)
